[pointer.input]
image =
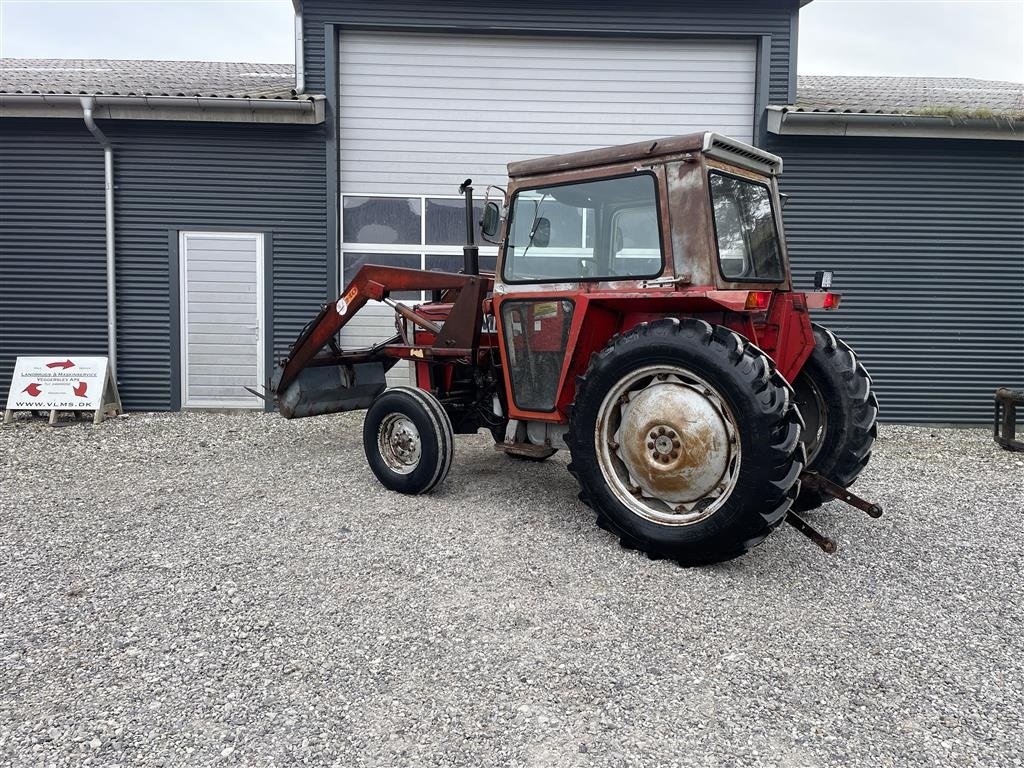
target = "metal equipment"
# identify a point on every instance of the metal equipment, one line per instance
(642, 316)
(1005, 419)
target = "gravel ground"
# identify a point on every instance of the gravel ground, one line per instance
(199, 589)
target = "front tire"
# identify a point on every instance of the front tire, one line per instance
(833, 392)
(408, 440)
(685, 441)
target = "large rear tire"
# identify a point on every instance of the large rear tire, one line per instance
(685, 441)
(833, 392)
(408, 440)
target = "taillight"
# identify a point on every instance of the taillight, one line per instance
(822, 300)
(757, 301)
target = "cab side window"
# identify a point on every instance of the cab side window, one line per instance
(748, 242)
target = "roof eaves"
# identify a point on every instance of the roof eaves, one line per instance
(307, 109)
(794, 120)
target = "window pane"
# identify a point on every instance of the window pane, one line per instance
(453, 263)
(748, 245)
(446, 221)
(383, 220)
(594, 230)
(536, 333)
(351, 262)
(566, 221)
(636, 242)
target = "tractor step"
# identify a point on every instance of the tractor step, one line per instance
(525, 449)
(816, 482)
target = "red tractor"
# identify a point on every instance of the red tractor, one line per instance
(641, 316)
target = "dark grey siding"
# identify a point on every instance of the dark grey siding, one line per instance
(927, 241)
(52, 262)
(169, 176)
(725, 18)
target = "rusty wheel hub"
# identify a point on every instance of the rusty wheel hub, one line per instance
(669, 445)
(398, 441)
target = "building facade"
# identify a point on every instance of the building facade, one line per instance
(921, 216)
(209, 201)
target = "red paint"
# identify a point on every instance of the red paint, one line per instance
(779, 325)
(33, 389)
(65, 364)
(80, 389)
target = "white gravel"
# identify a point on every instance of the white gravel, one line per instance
(200, 589)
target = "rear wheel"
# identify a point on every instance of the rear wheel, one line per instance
(833, 392)
(408, 440)
(685, 441)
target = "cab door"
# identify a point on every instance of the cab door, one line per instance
(562, 242)
(535, 334)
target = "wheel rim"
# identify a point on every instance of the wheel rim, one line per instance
(398, 442)
(811, 404)
(668, 445)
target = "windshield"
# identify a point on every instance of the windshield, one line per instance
(595, 230)
(748, 243)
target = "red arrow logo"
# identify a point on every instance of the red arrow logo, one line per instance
(65, 364)
(80, 389)
(33, 389)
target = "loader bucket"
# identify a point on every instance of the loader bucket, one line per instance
(332, 389)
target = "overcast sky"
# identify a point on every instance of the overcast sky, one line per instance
(945, 38)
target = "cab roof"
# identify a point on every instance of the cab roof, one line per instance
(711, 144)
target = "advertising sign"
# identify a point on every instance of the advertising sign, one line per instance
(62, 383)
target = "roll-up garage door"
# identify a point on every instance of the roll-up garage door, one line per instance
(420, 112)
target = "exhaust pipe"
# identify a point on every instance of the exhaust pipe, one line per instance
(470, 252)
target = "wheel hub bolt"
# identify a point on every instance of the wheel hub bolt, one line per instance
(664, 444)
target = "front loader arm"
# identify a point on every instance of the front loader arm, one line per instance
(376, 283)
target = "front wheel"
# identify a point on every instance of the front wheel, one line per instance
(408, 440)
(685, 441)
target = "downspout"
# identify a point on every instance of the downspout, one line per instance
(300, 54)
(108, 199)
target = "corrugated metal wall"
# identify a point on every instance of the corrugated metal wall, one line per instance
(169, 176)
(927, 241)
(52, 260)
(658, 17)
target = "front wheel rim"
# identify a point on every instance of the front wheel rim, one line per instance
(399, 444)
(668, 445)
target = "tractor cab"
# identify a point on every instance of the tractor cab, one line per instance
(642, 212)
(689, 223)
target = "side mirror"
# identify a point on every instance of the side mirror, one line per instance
(541, 234)
(490, 220)
(784, 198)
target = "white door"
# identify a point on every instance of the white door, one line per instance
(221, 319)
(420, 112)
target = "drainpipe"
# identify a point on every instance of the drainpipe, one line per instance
(300, 65)
(108, 199)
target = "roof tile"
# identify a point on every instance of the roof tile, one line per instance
(122, 77)
(909, 95)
